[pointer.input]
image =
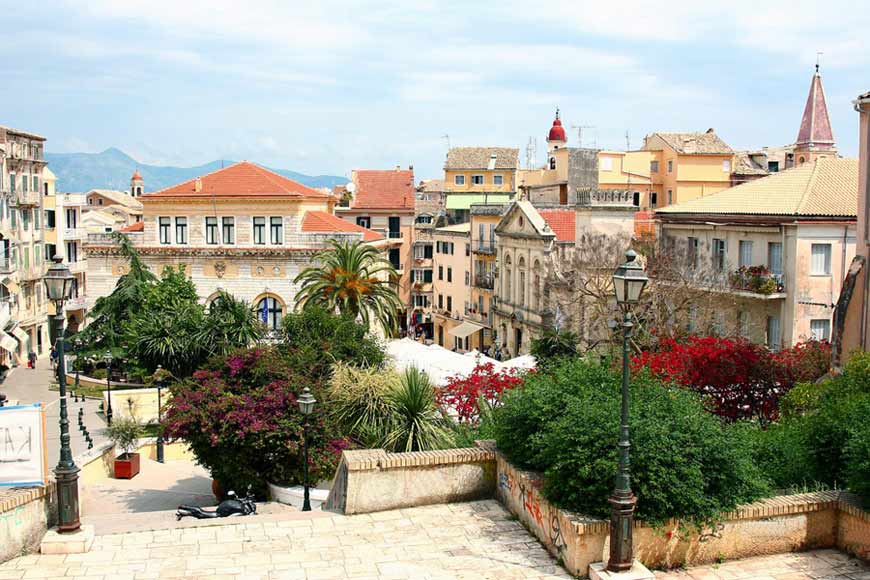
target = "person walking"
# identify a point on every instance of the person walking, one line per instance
(53, 358)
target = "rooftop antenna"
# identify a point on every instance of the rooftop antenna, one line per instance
(580, 132)
(818, 58)
(447, 137)
(531, 153)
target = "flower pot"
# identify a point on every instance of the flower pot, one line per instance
(295, 495)
(126, 466)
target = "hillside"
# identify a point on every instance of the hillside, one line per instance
(112, 168)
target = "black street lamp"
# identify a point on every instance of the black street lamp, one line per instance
(58, 287)
(160, 382)
(629, 280)
(108, 358)
(306, 405)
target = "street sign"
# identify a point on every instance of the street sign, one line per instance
(23, 457)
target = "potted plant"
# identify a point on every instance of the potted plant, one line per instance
(124, 433)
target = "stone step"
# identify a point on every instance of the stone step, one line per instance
(166, 520)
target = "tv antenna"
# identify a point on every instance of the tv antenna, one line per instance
(580, 132)
(447, 137)
(531, 153)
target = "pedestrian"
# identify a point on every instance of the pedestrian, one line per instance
(53, 358)
(31, 359)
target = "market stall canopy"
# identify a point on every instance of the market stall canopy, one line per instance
(465, 329)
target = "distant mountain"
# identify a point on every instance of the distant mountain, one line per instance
(111, 169)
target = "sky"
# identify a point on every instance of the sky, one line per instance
(325, 87)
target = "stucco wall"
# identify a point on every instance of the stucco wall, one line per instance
(25, 515)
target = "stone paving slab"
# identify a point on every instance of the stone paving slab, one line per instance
(813, 565)
(444, 542)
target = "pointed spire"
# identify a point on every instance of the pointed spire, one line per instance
(815, 130)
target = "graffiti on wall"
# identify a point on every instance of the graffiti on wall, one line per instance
(524, 497)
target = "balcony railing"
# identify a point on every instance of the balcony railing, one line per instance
(486, 282)
(482, 247)
(28, 197)
(74, 233)
(480, 317)
(757, 279)
(76, 303)
(394, 235)
(7, 265)
(78, 266)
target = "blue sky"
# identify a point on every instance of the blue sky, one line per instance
(326, 87)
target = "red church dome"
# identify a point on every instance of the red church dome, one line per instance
(557, 132)
(136, 176)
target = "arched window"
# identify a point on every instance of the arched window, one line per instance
(552, 163)
(507, 279)
(270, 312)
(521, 264)
(536, 289)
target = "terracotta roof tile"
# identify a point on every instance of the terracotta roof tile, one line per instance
(825, 187)
(134, 227)
(708, 143)
(322, 222)
(815, 126)
(383, 189)
(481, 158)
(563, 222)
(244, 179)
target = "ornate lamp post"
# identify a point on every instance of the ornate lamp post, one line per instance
(306, 405)
(160, 382)
(58, 287)
(108, 358)
(629, 280)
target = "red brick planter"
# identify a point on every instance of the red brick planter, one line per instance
(126, 466)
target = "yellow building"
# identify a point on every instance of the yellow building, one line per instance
(481, 301)
(478, 175)
(686, 166)
(451, 281)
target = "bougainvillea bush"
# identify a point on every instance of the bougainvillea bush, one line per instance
(738, 379)
(242, 421)
(485, 384)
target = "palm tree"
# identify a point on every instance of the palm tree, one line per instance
(229, 324)
(353, 279)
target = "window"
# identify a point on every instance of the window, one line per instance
(467, 278)
(24, 182)
(276, 230)
(72, 252)
(670, 196)
(452, 247)
(670, 165)
(164, 223)
(718, 254)
(607, 164)
(653, 166)
(552, 163)
(229, 230)
(477, 180)
(745, 257)
(743, 323)
(449, 274)
(71, 218)
(726, 166)
(450, 303)
(424, 219)
(181, 230)
(36, 184)
(498, 179)
(522, 289)
(270, 312)
(364, 221)
(820, 329)
(440, 272)
(440, 302)
(653, 199)
(773, 332)
(421, 301)
(773, 166)
(259, 230)
(467, 250)
(36, 219)
(211, 230)
(774, 258)
(692, 253)
(395, 259)
(458, 180)
(821, 260)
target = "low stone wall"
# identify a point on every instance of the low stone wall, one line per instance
(773, 526)
(138, 403)
(25, 515)
(371, 480)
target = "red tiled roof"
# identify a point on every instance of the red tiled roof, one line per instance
(563, 222)
(815, 125)
(244, 179)
(322, 222)
(383, 189)
(134, 227)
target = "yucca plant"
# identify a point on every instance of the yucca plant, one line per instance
(354, 279)
(418, 423)
(360, 402)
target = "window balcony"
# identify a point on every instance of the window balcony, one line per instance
(78, 266)
(7, 266)
(486, 282)
(757, 280)
(394, 235)
(483, 247)
(74, 233)
(75, 303)
(27, 197)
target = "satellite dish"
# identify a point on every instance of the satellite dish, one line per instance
(351, 187)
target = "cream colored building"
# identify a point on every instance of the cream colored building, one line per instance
(450, 286)
(478, 175)
(799, 225)
(23, 306)
(242, 229)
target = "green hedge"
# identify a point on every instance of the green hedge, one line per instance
(685, 463)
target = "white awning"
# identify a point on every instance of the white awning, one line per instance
(20, 334)
(8, 343)
(465, 329)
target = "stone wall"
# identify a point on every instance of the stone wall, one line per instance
(372, 480)
(25, 515)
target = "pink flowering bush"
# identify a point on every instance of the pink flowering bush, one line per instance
(241, 420)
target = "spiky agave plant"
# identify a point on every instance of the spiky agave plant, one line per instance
(352, 278)
(418, 423)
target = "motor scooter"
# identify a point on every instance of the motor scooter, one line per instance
(231, 507)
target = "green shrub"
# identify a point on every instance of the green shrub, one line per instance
(124, 433)
(782, 452)
(417, 422)
(359, 402)
(685, 463)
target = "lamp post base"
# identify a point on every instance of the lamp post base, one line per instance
(637, 571)
(77, 542)
(621, 531)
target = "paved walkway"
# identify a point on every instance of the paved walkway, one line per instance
(469, 540)
(31, 386)
(815, 565)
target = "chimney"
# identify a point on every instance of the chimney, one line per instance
(398, 167)
(197, 185)
(411, 167)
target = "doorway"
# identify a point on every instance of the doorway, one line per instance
(518, 341)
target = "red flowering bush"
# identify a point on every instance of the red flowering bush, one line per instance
(738, 379)
(464, 393)
(241, 420)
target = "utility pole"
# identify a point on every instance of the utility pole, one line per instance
(580, 132)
